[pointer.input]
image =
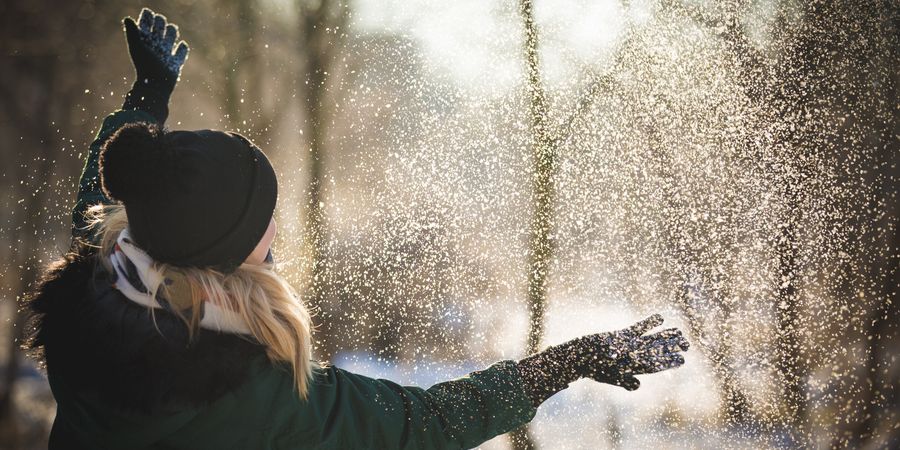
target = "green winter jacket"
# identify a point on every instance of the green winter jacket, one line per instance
(122, 381)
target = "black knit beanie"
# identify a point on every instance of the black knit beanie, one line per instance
(193, 198)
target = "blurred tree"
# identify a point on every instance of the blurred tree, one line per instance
(751, 74)
(810, 77)
(699, 262)
(697, 277)
(35, 192)
(35, 98)
(777, 94)
(244, 70)
(323, 31)
(860, 85)
(543, 148)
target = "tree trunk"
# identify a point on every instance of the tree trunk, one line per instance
(544, 160)
(28, 254)
(881, 403)
(322, 29)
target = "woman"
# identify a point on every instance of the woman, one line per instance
(167, 325)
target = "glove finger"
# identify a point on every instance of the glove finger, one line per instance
(681, 342)
(130, 26)
(666, 334)
(658, 364)
(667, 348)
(674, 345)
(132, 34)
(669, 345)
(159, 27)
(181, 54)
(170, 37)
(646, 324)
(629, 382)
(146, 21)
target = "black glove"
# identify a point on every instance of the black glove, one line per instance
(613, 358)
(150, 43)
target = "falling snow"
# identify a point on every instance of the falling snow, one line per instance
(731, 165)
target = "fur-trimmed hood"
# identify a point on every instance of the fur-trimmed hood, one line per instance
(98, 342)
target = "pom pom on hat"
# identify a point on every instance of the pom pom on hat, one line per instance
(135, 163)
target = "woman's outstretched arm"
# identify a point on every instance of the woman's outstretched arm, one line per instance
(347, 410)
(157, 63)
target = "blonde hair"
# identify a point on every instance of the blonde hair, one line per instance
(265, 301)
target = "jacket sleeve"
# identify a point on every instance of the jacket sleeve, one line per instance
(89, 192)
(353, 411)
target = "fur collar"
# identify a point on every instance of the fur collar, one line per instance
(94, 340)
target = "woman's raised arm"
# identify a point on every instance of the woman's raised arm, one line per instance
(157, 63)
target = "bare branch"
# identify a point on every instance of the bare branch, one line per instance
(601, 84)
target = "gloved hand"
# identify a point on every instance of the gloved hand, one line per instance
(613, 358)
(150, 43)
